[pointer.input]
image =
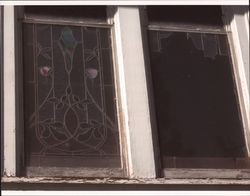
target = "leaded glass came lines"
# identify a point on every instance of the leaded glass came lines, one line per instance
(70, 109)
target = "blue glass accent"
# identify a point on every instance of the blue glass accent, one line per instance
(67, 38)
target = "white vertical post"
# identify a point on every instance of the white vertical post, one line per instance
(9, 92)
(238, 23)
(133, 89)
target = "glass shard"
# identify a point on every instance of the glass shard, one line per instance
(196, 39)
(210, 45)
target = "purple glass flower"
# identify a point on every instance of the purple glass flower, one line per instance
(45, 71)
(91, 73)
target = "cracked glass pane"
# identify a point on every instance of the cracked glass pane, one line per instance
(195, 98)
(69, 95)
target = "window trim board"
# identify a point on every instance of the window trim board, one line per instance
(133, 93)
(13, 145)
(9, 79)
(239, 47)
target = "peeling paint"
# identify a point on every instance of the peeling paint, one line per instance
(126, 181)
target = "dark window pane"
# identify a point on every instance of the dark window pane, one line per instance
(205, 15)
(70, 111)
(97, 13)
(196, 105)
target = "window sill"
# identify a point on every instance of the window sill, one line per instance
(97, 184)
(73, 180)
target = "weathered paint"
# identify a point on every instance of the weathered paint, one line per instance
(9, 93)
(133, 89)
(100, 181)
(239, 45)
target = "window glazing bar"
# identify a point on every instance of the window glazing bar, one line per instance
(65, 21)
(186, 28)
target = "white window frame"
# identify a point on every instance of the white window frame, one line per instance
(236, 27)
(9, 79)
(131, 76)
(133, 103)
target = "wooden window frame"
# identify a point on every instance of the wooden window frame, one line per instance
(131, 121)
(68, 171)
(134, 107)
(239, 70)
(83, 171)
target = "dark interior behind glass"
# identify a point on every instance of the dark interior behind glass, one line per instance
(197, 110)
(97, 13)
(205, 15)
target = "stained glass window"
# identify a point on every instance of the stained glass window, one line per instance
(69, 93)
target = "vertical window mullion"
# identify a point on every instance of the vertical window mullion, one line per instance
(134, 106)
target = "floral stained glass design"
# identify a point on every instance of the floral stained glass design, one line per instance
(70, 109)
